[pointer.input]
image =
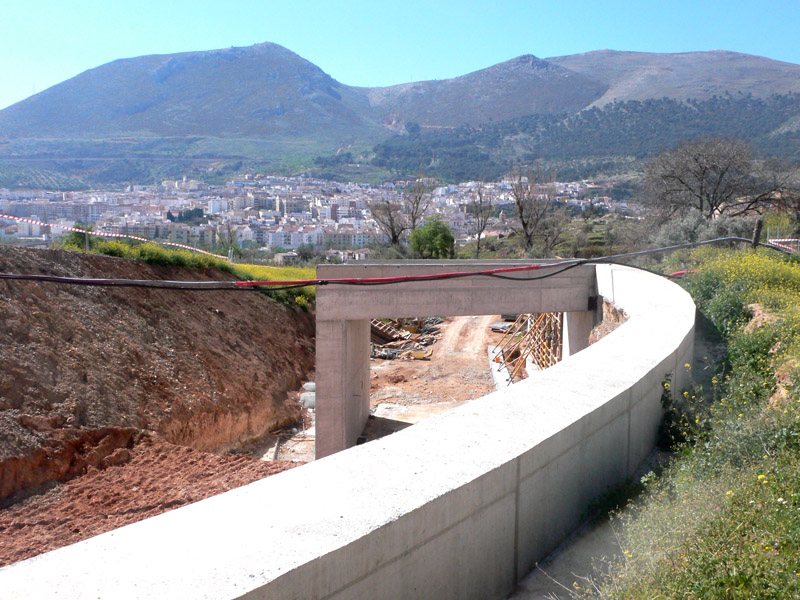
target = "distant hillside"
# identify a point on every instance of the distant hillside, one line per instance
(594, 139)
(521, 86)
(214, 112)
(698, 75)
(260, 91)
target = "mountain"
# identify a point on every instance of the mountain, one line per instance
(266, 91)
(154, 116)
(697, 75)
(260, 91)
(521, 86)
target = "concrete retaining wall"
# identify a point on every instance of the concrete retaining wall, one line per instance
(459, 506)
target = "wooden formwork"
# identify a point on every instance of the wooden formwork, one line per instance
(537, 335)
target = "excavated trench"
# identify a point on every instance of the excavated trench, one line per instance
(96, 380)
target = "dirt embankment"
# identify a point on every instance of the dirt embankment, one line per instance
(156, 477)
(85, 370)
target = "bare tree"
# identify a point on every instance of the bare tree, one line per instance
(533, 202)
(388, 214)
(417, 199)
(481, 205)
(713, 176)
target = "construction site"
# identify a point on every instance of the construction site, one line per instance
(184, 425)
(420, 367)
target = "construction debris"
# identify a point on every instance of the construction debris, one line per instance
(404, 338)
(383, 332)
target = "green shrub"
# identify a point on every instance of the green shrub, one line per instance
(723, 519)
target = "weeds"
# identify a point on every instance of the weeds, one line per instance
(151, 253)
(723, 519)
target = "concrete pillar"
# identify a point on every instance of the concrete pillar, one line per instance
(342, 384)
(577, 327)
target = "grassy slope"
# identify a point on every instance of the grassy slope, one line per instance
(723, 520)
(153, 253)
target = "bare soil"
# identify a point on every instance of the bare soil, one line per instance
(155, 477)
(123, 392)
(407, 391)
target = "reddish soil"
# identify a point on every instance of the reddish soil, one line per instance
(457, 371)
(95, 503)
(407, 391)
(612, 318)
(88, 377)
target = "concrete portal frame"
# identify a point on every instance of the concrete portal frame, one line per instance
(344, 313)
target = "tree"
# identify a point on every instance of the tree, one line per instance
(481, 205)
(395, 218)
(713, 176)
(76, 239)
(416, 199)
(305, 252)
(533, 202)
(788, 197)
(432, 240)
(553, 230)
(388, 214)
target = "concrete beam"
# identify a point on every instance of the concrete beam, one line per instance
(527, 292)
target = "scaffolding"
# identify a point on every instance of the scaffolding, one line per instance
(534, 335)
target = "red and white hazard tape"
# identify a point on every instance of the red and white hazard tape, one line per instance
(790, 244)
(109, 235)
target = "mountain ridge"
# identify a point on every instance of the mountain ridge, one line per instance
(694, 75)
(267, 103)
(266, 89)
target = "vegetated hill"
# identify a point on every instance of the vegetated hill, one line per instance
(522, 86)
(698, 75)
(595, 140)
(85, 370)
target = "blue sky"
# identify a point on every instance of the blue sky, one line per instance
(374, 42)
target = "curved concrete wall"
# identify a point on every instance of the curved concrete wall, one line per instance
(459, 506)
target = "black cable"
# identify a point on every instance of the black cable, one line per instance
(143, 283)
(571, 265)
(232, 285)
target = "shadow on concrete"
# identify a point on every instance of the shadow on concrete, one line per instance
(378, 427)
